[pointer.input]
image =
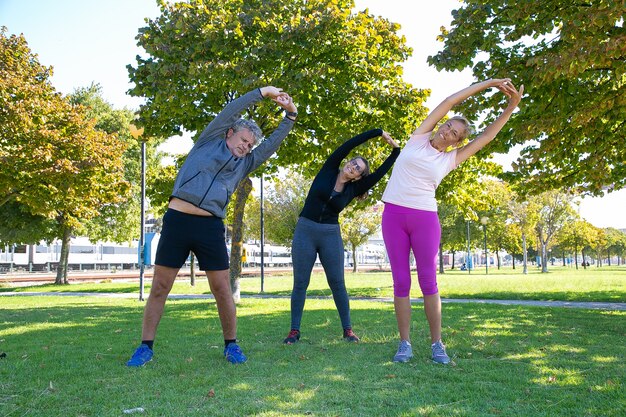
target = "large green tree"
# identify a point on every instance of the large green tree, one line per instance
(30, 137)
(342, 68)
(572, 58)
(55, 163)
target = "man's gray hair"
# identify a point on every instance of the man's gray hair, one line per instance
(251, 126)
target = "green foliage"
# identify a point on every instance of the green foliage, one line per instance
(570, 56)
(19, 226)
(283, 199)
(116, 221)
(343, 71)
(463, 187)
(55, 163)
(159, 186)
(555, 210)
(357, 225)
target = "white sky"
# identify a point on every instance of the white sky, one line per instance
(93, 41)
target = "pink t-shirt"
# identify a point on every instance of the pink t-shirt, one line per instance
(417, 173)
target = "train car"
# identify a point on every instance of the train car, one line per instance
(273, 256)
(83, 255)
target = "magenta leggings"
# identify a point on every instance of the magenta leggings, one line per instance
(406, 229)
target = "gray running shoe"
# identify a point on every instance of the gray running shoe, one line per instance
(404, 353)
(439, 353)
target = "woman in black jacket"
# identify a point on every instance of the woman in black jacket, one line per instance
(318, 232)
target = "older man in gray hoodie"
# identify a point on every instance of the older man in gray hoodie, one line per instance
(219, 160)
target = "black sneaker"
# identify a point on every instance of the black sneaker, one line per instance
(292, 337)
(349, 336)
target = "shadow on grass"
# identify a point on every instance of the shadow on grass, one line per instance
(362, 292)
(615, 296)
(100, 288)
(66, 356)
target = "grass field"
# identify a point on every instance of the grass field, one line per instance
(65, 357)
(564, 284)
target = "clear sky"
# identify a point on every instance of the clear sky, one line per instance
(93, 40)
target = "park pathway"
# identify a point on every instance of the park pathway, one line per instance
(593, 305)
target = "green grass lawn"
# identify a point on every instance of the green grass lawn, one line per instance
(65, 357)
(565, 284)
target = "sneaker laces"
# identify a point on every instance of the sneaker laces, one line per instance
(142, 350)
(404, 347)
(293, 334)
(438, 349)
(233, 348)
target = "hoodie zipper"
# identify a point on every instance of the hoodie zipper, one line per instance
(213, 180)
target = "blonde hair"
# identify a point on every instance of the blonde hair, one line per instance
(469, 130)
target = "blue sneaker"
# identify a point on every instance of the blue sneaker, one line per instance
(439, 353)
(404, 353)
(234, 354)
(142, 355)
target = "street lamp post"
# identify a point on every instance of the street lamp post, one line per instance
(468, 261)
(262, 238)
(484, 220)
(136, 133)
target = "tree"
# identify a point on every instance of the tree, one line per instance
(30, 110)
(282, 206)
(120, 221)
(453, 231)
(554, 211)
(55, 163)
(572, 59)
(616, 243)
(577, 235)
(499, 195)
(514, 242)
(524, 213)
(203, 54)
(357, 225)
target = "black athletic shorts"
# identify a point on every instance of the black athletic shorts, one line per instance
(203, 235)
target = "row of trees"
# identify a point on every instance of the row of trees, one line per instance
(69, 164)
(517, 225)
(548, 222)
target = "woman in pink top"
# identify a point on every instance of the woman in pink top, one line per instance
(410, 220)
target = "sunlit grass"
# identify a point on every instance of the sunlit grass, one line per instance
(509, 360)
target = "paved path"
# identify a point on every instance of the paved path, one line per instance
(568, 304)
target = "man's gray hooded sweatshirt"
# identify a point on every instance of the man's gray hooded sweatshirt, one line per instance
(211, 172)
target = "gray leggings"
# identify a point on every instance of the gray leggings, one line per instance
(309, 240)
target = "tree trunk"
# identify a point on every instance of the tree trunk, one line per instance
(241, 195)
(354, 265)
(65, 252)
(544, 257)
(576, 255)
(192, 271)
(525, 254)
(453, 253)
(608, 257)
(584, 262)
(513, 258)
(498, 258)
